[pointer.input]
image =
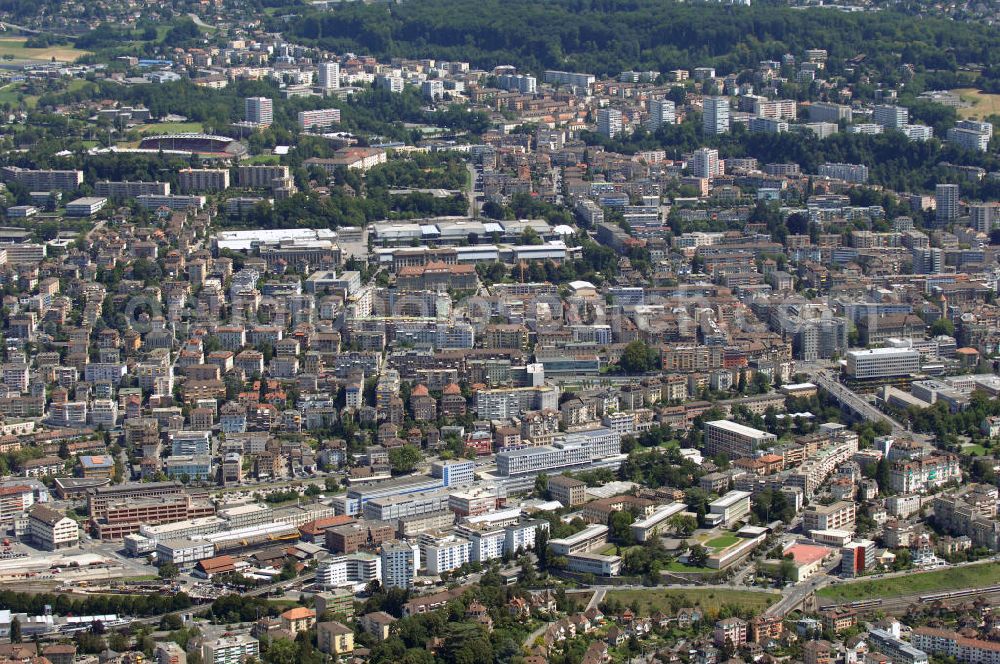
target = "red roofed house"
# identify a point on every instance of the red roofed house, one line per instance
(299, 619)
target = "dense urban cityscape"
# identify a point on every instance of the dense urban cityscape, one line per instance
(424, 331)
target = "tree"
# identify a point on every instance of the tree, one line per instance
(119, 642)
(620, 527)
(15, 630)
(168, 571)
(404, 459)
(638, 358)
(882, 475)
(282, 651)
(542, 486)
(683, 524)
(697, 556)
(542, 547)
(943, 326)
(288, 571)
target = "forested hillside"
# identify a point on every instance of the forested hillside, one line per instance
(608, 36)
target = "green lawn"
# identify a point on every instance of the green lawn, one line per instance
(169, 128)
(10, 93)
(262, 159)
(680, 568)
(974, 450)
(722, 542)
(970, 576)
(658, 599)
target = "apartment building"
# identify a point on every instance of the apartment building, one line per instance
(925, 473)
(840, 515)
(443, 553)
(51, 529)
(262, 176)
(855, 173)
(567, 490)
(15, 500)
(947, 643)
(731, 631)
(168, 652)
(554, 77)
(972, 512)
(259, 110)
(170, 202)
(400, 562)
(735, 440)
(42, 180)
(125, 189)
(202, 179)
(231, 649)
(715, 115)
(897, 650)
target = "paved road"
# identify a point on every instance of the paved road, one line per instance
(855, 402)
(793, 597)
(471, 193)
(8, 26)
(200, 23)
(530, 639)
(597, 597)
(98, 226)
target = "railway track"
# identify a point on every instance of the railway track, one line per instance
(904, 601)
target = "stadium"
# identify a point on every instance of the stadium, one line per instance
(201, 144)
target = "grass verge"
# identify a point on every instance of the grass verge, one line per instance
(956, 578)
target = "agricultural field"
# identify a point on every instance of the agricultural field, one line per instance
(984, 104)
(15, 48)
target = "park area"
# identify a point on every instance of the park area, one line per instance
(708, 599)
(955, 578)
(14, 48)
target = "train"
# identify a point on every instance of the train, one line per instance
(859, 604)
(954, 594)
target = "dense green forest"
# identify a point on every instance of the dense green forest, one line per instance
(609, 36)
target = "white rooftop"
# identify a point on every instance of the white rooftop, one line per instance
(740, 429)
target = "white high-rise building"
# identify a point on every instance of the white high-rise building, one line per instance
(929, 260)
(705, 163)
(661, 112)
(891, 117)
(971, 135)
(259, 110)
(400, 561)
(609, 122)
(329, 75)
(444, 553)
(946, 200)
(332, 573)
(715, 117)
(984, 217)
